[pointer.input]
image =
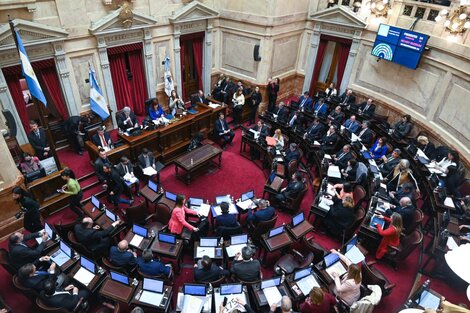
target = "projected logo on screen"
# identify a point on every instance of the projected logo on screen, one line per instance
(384, 51)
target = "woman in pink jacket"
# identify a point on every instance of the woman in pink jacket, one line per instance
(178, 217)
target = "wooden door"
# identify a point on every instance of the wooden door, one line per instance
(188, 71)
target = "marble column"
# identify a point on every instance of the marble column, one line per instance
(64, 78)
(108, 80)
(350, 62)
(148, 61)
(312, 56)
(9, 173)
(7, 103)
(207, 64)
(177, 62)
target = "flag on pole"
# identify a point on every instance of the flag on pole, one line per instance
(97, 101)
(169, 85)
(28, 72)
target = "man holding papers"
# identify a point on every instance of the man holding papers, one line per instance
(126, 171)
(122, 256)
(146, 162)
(265, 212)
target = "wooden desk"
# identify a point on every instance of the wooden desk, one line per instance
(275, 243)
(116, 291)
(168, 250)
(260, 300)
(369, 236)
(144, 244)
(219, 257)
(292, 285)
(44, 190)
(95, 282)
(180, 298)
(196, 160)
(150, 195)
(167, 293)
(300, 230)
(90, 211)
(114, 155)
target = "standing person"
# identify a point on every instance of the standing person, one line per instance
(273, 89)
(72, 128)
(256, 99)
(178, 217)
(73, 189)
(32, 217)
(114, 186)
(175, 103)
(38, 139)
(391, 235)
(238, 103)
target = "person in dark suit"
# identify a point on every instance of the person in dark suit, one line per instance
(330, 140)
(122, 256)
(273, 89)
(32, 217)
(356, 172)
(294, 120)
(126, 170)
(126, 119)
(264, 213)
(254, 102)
(38, 139)
(244, 267)
(406, 190)
(72, 128)
(99, 163)
(347, 98)
(365, 134)
(389, 162)
(223, 131)
(115, 186)
(66, 298)
(305, 102)
(20, 253)
(102, 139)
(93, 237)
(148, 266)
(226, 219)
(292, 153)
(280, 112)
(261, 128)
(342, 157)
(146, 159)
(406, 210)
(31, 277)
(198, 98)
(402, 128)
(336, 116)
(293, 188)
(341, 216)
(367, 108)
(226, 90)
(351, 124)
(315, 131)
(206, 271)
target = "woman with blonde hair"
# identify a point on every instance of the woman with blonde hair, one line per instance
(348, 288)
(426, 146)
(279, 139)
(238, 101)
(318, 302)
(391, 235)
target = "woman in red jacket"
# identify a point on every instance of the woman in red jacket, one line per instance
(391, 235)
(178, 217)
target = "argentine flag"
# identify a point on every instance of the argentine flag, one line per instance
(97, 101)
(169, 85)
(28, 73)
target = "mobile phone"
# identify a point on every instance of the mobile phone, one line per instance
(225, 301)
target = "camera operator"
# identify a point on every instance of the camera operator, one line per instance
(30, 208)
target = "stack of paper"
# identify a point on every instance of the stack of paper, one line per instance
(152, 298)
(202, 251)
(307, 283)
(234, 249)
(130, 178)
(202, 210)
(354, 137)
(338, 267)
(325, 204)
(192, 304)
(449, 202)
(334, 172)
(136, 240)
(355, 255)
(451, 244)
(255, 133)
(272, 295)
(245, 205)
(84, 276)
(149, 171)
(214, 105)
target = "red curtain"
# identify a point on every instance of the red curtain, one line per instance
(197, 50)
(343, 58)
(180, 88)
(318, 63)
(50, 79)
(13, 82)
(138, 82)
(121, 85)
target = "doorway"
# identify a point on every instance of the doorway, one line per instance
(191, 54)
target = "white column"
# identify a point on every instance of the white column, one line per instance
(350, 62)
(64, 79)
(312, 56)
(7, 102)
(177, 62)
(108, 80)
(148, 63)
(207, 63)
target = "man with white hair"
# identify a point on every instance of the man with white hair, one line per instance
(406, 210)
(286, 306)
(126, 119)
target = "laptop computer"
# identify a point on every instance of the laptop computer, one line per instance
(231, 289)
(86, 273)
(195, 201)
(248, 195)
(209, 242)
(299, 218)
(332, 264)
(61, 256)
(195, 290)
(96, 203)
(225, 198)
(302, 273)
(139, 234)
(366, 155)
(170, 196)
(152, 186)
(121, 278)
(152, 292)
(351, 243)
(276, 231)
(330, 259)
(239, 239)
(110, 215)
(167, 238)
(272, 282)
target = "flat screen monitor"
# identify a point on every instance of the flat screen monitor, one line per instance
(89, 265)
(299, 218)
(209, 242)
(196, 201)
(96, 203)
(194, 290)
(230, 289)
(275, 281)
(351, 243)
(239, 239)
(248, 195)
(139, 230)
(110, 215)
(123, 279)
(168, 238)
(276, 231)
(220, 199)
(302, 273)
(171, 196)
(152, 185)
(48, 230)
(331, 259)
(66, 249)
(153, 285)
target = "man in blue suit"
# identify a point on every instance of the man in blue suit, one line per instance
(148, 266)
(222, 130)
(226, 219)
(321, 108)
(264, 213)
(351, 124)
(305, 102)
(122, 255)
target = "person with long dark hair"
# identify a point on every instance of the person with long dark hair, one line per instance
(175, 103)
(273, 89)
(178, 217)
(72, 188)
(32, 217)
(256, 99)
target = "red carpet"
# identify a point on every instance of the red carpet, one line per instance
(236, 176)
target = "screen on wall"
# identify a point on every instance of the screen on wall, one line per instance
(398, 45)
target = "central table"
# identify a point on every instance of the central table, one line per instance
(196, 160)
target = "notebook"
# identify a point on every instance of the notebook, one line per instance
(153, 186)
(376, 220)
(86, 273)
(276, 231)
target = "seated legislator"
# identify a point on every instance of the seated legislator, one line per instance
(115, 186)
(264, 213)
(175, 103)
(349, 287)
(261, 128)
(356, 172)
(406, 190)
(99, 163)
(38, 139)
(126, 171)
(126, 119)
(452, 159)
(226, 219)
(336, 116)
(280, 112)
(206, 271)
(402, 127)
(342, 157)
(406, 210)
(423, 143)
(295, 119)
(31, 277)
(331, 91)
(347, 98)
(318, 302)
(178, 217)
(198, 98)
(391, 235)
(321, 108)
(20, 253)
(155, 110)
(346, 191)
(305, 102)
(148, 266)
(223, 131)
(367, 108)
(330, 140)
(341, 216)
(93, 237)
(66, 298)
(379, 148)
(244, 267)
(315, 131)
(122, 256)
(102, 139)
(292, 153)
(279, 139)
(365, 134)
(29, 163)
(351, 124)
(293, 188)
(389, 162)
(400, 175)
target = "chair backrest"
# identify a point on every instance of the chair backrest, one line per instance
(464, 188)
(369, 277)
(215, 283)
(408, 244)
(63, 229)
(136, 214)
(389, 148)
(108, 264)
(318, 251)
(359, 193)
(76, 245)
(292, 167)
(264, 226)
(417, 220)
(45, 308)
(295, 203)
(307, 260)
(226, 231)
(163, 213)
(5, 261)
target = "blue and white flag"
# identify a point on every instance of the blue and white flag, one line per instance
(97, 101)
(28, 73)
(169, 85)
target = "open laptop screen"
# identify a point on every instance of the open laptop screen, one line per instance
(248, 195)
(299, 218)
(139, 230)
(67, 250)
(351, 243)
(48, 230)
(209, 242)
(89, 265)
(154, 285)
(194, 290)
(220, 199)
(196, 201)
(302, 273)
(96, 203)
(110, 215)
(275, 281)
(276, 231)
(331, 259)
(168, 238)
(119, 277)
(239, 239)
(152, 186)
(171, 196)
(230, 289)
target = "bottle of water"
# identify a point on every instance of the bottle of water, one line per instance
(135, 282)
(209, 289)
(283, 277)
(152, 234)
(221, 241)
(192, 162)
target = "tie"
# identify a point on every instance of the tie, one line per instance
(303, 102)
(367, 106)
(147, 161)
(341, 156)
(350, 125)
(311, 129)
(222, 123)
(362, 132)
(345, 100)
(292, 121)
(103, 141)
(37, 134)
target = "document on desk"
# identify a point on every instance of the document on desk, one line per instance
(449, 202)
(60, 259)
(451, 244)
(202, 251)
(316, 143)
(255, 133)
(39, 239)
(130, 179)
(420, 153)
(334, 172)
(152, 298)
(214, 105)
(338, 267)
(355, 255)
(429, 301)
(272, 295)
(325, 204)
(354, 137)
(192, 304)
(231, 210)
(84, 276)
(202, 210)
(327, 156)
(136, 240)
(245, 205)
(232, 304)
(234, 249)
(149, 171)
(330, 189)
(307, 283)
